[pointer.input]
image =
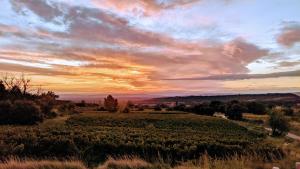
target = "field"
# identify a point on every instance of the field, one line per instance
(94, 136)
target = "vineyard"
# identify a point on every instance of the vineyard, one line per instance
(93, 137)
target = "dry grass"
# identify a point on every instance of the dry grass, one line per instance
(205, 162)
(44, 164)
(126, 163)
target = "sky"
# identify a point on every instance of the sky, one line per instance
(153, 47)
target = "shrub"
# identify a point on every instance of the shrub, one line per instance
(218, 106)
(203, 109)
(81, 104)
(235, 110)
(20, 112)
(278, 122)
(126, 110)
(256, 108)
(101, 109)
(25, 112)
(5, 110)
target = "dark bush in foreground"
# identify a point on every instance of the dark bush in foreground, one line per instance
(20, 112)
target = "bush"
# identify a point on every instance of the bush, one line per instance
(126, 110)
(278, 122)
(101, 109)
(235, 110)
(20, 112)
(5, 110)
(218, 106)
(256, 108)
(203, 109)
(26, 112)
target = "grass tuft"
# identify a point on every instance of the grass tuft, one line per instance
(126, 163)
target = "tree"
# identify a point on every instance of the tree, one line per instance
(218, 106)
(278, 122)
(25, 83)
(256, 108)
(203, 109)
(111, 104)
(235, 110)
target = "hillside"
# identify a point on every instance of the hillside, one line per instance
(269, 97)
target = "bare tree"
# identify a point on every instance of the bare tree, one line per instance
(25, 83)
(11, 81)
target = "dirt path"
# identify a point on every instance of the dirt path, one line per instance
(290, 135)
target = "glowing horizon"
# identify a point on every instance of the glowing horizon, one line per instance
(163, 47)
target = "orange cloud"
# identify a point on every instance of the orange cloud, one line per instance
(145, 7)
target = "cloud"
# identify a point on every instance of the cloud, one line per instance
(116, 54)
(289, 64)
(144, 7)
(289, 35)
(41, 8)
(231, 77)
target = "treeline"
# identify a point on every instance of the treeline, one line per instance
(233, 109)
(269, 97)
(20, 105)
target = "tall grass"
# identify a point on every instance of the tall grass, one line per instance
(127, 162)
(43, 164)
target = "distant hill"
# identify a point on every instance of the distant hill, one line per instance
(270, 97)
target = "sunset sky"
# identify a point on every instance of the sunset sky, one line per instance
(159, 47)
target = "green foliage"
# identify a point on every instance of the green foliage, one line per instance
(111, 104)
(278, 122)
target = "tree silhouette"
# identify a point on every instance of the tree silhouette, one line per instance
(111, 104)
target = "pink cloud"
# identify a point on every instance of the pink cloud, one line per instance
(289, 36)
